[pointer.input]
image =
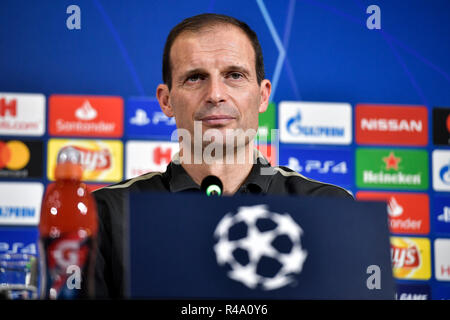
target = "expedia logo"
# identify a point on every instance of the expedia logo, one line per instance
(146, 156)
(22, 114)
(8, 108)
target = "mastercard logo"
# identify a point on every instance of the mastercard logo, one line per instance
(14, 155)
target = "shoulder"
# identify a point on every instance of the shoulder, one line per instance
(151, 180)
(296, 183)
(114, 195)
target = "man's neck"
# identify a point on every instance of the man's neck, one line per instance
(231, 174)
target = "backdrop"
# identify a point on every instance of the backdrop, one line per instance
(323, 52)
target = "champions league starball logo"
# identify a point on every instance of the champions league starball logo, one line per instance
(262, 249)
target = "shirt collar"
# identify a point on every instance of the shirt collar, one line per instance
(257, 181)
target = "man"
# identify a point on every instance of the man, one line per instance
(214, 86)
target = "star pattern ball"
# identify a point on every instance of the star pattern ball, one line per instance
(262, 249)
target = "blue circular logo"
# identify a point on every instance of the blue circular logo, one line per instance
(444, 173)
(293, 124)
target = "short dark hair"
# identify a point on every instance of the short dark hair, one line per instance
(198, 22)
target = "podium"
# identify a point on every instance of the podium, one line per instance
(189, 246)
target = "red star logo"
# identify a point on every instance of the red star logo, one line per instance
(391, 161)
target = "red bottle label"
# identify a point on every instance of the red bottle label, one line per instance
(68, 259)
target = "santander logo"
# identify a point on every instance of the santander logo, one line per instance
(408, 213)
(92, 116)
(394, 209)
(86, 112)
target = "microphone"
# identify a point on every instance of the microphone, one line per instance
(212, 186)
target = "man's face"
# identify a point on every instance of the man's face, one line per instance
(214, 81)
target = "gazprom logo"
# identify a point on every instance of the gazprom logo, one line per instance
(295, 128)
(444, 174)
(20, 203)
(17, 212)
(315, 122)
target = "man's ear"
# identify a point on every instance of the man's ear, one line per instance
(265, 90)
(162, 94)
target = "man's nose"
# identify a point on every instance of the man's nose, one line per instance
(216, 91)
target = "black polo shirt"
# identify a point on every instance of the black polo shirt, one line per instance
(111, 203)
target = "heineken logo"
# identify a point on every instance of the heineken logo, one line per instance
(392, 169)
(391, 161)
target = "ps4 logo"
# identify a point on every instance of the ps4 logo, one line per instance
(445, 215)
(18, 247)
(141, 118)
(322, 167)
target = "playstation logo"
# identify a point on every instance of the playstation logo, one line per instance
(140, 118)
(445, 215)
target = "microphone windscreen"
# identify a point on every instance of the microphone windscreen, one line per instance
(212, 186)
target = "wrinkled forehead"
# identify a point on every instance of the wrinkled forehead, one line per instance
(223, 42)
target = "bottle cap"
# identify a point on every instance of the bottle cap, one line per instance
(69, 164)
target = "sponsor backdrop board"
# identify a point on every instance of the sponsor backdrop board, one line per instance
(383, 133)
(411, 179)
(102, 160)
(91, 116)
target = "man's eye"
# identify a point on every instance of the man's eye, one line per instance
(194, 78)
(235, 75)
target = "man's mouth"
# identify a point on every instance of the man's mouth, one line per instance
(215, 120)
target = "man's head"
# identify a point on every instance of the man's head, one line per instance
(213, 73)
(195, 24)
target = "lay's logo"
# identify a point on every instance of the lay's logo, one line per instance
(405, 257)
(95, 159)
(102, 160)
(411, 258)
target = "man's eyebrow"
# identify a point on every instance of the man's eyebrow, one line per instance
(231, 68)
(192, 72)
(237, 68)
